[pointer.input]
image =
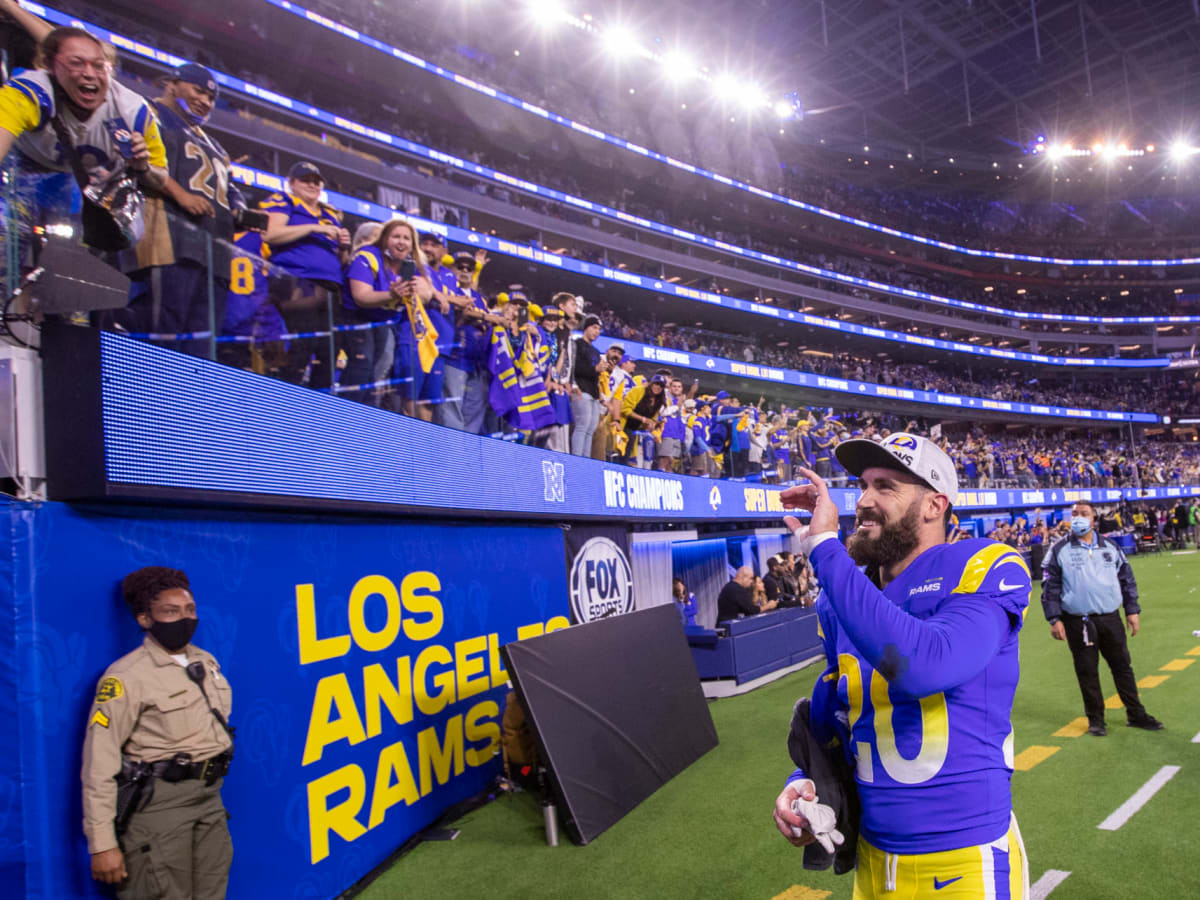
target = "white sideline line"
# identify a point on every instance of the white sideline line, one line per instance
(1125, 811)
(1196, 739)
(1047, 883)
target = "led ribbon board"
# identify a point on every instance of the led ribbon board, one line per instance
(131, 421)
(758, 372)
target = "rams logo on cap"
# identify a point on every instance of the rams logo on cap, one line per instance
(904, 441)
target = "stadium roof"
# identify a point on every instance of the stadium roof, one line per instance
(981, 75)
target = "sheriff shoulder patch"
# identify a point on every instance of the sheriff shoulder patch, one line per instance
(110, 689)
(99, 718)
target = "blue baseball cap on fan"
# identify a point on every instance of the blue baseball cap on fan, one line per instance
(194, 73)
(304, 169)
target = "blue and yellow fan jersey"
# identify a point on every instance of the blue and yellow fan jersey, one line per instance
(198, 162)
(248, 307)
(313, 256)
(926, 670)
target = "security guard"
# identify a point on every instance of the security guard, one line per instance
(1085, 581)
(158, 745)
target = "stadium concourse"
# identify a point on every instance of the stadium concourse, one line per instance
(339, 311)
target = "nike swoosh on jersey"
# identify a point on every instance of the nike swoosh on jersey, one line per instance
(938, 885)
(1005, 586)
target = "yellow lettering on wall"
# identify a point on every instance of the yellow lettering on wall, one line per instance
(495, 664)
(379, 689)
(437, 759)
(312, 648)
(419, 604)
(366, 587)
(467, 665)
(558, 623)
(332, 691)
(339, 819)
(393, 761)
(534, 629)
(482, 725)
(429, 702)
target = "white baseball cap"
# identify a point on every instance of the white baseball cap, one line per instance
(907, 452)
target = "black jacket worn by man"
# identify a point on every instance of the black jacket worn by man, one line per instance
(733, 600)
(833, 779)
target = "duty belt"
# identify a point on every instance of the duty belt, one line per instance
(181, 768)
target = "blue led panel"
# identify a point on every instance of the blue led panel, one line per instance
(176, 426)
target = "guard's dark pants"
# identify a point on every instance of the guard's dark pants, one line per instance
(1089, 637)
(178, 846)
(1037, 553)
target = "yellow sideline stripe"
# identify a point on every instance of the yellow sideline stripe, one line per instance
(1113, 702)
(1177, 665)
(1195, 651)
(1152, 681)
(800, 892)
(1031, 756)
(1076, 728)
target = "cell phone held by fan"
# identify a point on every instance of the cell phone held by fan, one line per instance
(250, 220)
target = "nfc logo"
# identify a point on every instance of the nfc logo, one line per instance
(555, 481)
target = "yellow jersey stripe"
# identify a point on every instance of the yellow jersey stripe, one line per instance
(978, 566)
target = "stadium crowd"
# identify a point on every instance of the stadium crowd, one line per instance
(768, 227)
(1103, 227)
(1173, 393)
(387, 317)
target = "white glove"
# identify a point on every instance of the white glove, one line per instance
(822, 822)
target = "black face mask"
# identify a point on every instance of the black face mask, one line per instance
(174, 636)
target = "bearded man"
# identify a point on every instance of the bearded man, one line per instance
(921, 646)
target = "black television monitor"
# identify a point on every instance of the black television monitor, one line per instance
(617, 711)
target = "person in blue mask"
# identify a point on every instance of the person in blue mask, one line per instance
(1086, 579)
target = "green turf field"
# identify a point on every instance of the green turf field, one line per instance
(709, 832)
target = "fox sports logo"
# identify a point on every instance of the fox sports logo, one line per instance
(601, 581)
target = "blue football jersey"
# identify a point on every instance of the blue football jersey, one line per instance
(926, 671)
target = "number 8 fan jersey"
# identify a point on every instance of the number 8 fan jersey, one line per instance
(925, 677)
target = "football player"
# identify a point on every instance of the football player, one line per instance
(921, 645)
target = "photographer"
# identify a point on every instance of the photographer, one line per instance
(72, 102)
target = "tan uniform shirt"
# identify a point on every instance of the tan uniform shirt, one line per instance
(147, 709)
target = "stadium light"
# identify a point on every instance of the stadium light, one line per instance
(755, 97)
(679, 67)
(545, 13)
(1181, 150)
(785, 109)
(726, 88)
(619, 41)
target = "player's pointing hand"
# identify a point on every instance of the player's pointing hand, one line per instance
(815, 498)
